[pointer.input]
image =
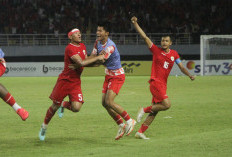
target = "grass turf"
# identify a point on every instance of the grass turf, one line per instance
(197, 124)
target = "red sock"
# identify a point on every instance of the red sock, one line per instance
(49, 115)
(9, 99)
(118, 119)
(67, 105)
(143, 128)
(125, 115)
(147, 109)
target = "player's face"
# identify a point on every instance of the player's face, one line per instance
(101, 34)
(76, 37)
(166, 42)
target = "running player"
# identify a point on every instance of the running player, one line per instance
(163, 61)
(69, 82)
(114, 79)
(6, 96)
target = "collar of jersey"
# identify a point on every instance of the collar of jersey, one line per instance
(168, 51)
(105, 43)
(75, 45)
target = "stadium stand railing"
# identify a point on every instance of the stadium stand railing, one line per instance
(61, 39)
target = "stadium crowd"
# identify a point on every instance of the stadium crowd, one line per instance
(156, 16)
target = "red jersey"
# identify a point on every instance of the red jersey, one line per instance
(67, 73)
(162, 63)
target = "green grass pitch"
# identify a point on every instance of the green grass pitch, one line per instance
(199, 123)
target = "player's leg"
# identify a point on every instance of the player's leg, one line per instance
(145, 125)
(109, 100)
(117, 118)
(158, 92)
(49, 114)
(164, 105)
(76, 100)
(73, 106)
(9, 99)
(58, 94)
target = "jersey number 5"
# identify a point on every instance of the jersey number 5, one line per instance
(166, 65)
(80, 97)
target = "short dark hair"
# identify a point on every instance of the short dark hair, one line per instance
(166, 35)
(105, 25)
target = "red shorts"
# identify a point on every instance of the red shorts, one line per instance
(2, 69)
(65, 88)
(113, 83)
(158, 91)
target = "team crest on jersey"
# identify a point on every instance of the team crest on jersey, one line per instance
(172, 58)
(84, 51)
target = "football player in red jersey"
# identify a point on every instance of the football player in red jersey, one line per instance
(6, 96)
(69, 82)
(163, 61)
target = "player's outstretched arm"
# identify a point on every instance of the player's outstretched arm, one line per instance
(185, 71)
(141, 32)
(82, 63)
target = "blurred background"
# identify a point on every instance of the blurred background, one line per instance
(36, 30)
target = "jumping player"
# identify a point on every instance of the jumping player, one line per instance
(114, 79)
(163, 61)
(6, 96)
(69, 82)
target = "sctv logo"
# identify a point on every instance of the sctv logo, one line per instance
(223, 67)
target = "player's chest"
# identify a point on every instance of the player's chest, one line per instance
(81, 52)
(164, 60)
(100, 48)
(165, 57)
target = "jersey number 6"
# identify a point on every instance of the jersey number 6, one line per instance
(166, 65)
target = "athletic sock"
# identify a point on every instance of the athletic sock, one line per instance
(49, 115)
(9, 99)
(44, 126)
(143, 128)
(125, 116)
(147, 109)
(118, 119)
(16, 107)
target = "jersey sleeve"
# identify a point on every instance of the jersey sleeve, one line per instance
(177, 58)
(71, 52)
(1, 53)
(154, 49)
(94, 51)
(109, 51)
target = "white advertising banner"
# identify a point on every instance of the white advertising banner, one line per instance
(212, 67)
(216, 67)
(34, 69)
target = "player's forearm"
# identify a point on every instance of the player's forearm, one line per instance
(185, 71)
(140, 31)
(88, 61)
(95, 64)
(142, 34)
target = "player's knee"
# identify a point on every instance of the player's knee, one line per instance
(55, 106)
(168, 106)
(109, 102)
(76, 108)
